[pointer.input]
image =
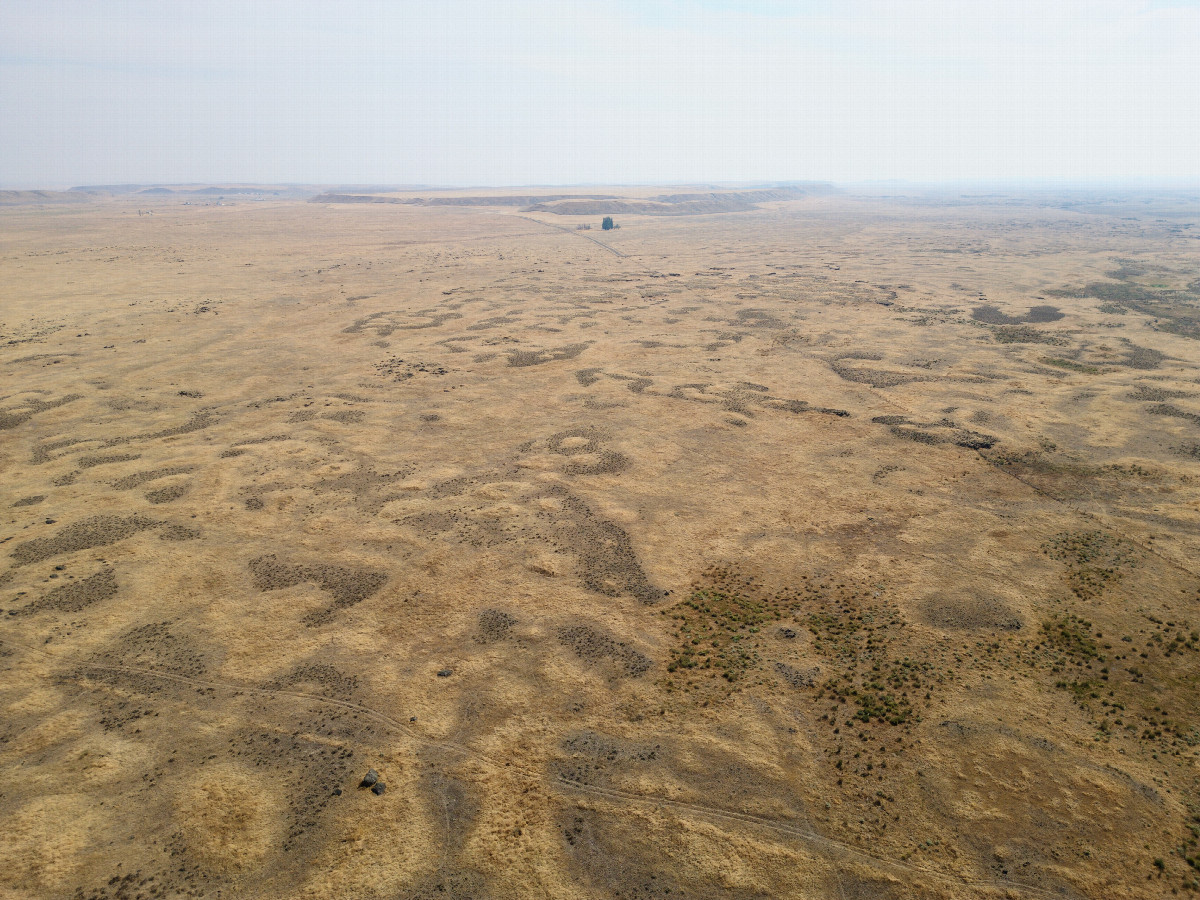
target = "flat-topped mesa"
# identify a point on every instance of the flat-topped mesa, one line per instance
(678, 204)
(524, 200)
(696, 204)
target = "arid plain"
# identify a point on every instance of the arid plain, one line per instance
(796, 544)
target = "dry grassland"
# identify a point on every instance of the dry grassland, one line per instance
(834, 548)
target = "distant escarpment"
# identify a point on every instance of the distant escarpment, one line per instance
(690, 204)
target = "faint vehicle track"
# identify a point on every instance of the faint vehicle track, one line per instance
(807, 835)
(1041, 492)
(586, 237)
(1092, 517)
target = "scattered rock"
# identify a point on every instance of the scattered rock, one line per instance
(167, 494)
(129, 482)
(347, 586)
(178, 533)
(494, 625)
(370, 779)
(74, 596)
(592, 646)
(346, 416)
(969, 612)
(378, 788)
(400, 370)
(522, 358)
(87, 534)
(796, 677)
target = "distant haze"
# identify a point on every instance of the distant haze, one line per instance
(614, 91)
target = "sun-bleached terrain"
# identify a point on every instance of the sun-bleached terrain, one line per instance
(779, 543)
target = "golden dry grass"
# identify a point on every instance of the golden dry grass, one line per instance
(764, 557)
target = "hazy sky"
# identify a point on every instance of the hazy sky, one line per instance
(494, 92)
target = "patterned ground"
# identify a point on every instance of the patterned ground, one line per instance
(837, 547)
